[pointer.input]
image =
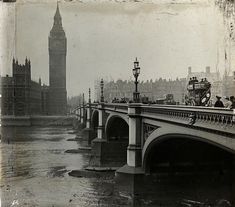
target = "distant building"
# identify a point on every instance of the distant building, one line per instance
(159, 88)
(45, 99)
(151, 89)
(20, 95)
(57, 67)
(74, 101)
(228, 86)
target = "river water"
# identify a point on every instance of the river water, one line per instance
(34, 171)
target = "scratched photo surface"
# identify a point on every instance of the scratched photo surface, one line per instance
(65, 64)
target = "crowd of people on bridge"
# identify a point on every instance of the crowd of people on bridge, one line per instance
(225, 102)
(228, 102)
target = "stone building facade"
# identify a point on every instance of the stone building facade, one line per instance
(20, 95)
(45, 99)
(7, 94)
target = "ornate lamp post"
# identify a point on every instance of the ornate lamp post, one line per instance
(136, 72)
(88, 118)
(102, 91)
(89, 99)
(83, 100)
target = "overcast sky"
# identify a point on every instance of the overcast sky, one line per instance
(104, 38)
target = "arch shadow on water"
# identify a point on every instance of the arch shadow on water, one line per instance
(182, 168)
(117, 135)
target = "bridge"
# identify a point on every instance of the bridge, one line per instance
(145, 139)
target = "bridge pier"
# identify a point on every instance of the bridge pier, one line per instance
(99, 144)
(76, 121)
(130, 177)
(88, 133)
(109, 148)
(81, 121)
(78, 114)
(166, 139)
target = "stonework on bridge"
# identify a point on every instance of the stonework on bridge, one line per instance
(128, 136)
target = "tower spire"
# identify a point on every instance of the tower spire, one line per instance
(57, 13)
(57, 25)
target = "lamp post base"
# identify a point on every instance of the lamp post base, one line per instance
(136, 97)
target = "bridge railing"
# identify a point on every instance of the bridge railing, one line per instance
(94, 105)
(201, 113)
(192, 114)
(117, 106)
(200, 116)
(112, 106)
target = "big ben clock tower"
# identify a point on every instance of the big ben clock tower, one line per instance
(57, 67)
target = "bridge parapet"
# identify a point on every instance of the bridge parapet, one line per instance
(217, 119)
(117, 107)
(94, 105)
(122, 108)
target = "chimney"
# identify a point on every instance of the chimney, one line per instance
(189, 70)
(208, 69)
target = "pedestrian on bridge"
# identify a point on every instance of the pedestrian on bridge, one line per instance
(232, 99)
(228, 103)
(218, 103)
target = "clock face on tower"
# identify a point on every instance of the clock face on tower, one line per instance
(57, 44)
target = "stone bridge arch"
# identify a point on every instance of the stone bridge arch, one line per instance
(117, 139)
(196, 165)
(172, 132)
(117, 128)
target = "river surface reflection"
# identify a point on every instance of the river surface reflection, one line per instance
(34, 171)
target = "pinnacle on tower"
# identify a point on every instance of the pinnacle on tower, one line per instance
(57, 17)
(40, 81)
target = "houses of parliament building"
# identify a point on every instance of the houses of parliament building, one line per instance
(22, 96)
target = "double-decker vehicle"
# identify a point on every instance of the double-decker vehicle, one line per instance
(199, 92)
